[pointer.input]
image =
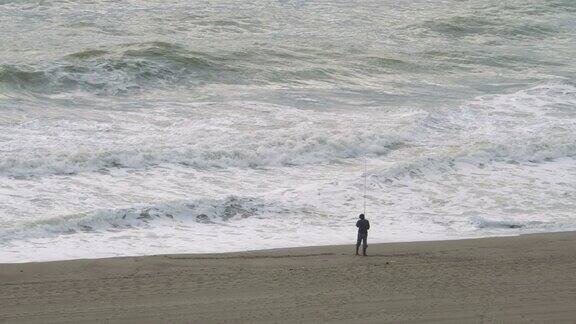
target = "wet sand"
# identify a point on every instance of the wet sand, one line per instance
(513, 279)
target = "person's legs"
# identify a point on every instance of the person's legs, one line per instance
(358, 242)
(365, 244)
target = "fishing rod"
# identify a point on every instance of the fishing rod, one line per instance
(365, 182)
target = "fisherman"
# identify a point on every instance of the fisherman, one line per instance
(363, 227)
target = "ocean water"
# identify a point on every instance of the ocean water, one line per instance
(148, 127)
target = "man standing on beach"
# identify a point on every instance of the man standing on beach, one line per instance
(363, 227)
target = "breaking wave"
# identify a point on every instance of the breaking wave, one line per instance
(528, 126)
(176, 213)
(115, 71)
(289, 150)
(483, 223)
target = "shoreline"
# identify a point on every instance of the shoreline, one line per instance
(530, 277)
(199, 254)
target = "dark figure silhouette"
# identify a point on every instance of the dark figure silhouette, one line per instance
(363, 227)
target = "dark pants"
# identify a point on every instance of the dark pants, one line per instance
(362, 239)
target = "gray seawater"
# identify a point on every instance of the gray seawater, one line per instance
(145, 127)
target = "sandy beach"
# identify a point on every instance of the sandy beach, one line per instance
(531, 278)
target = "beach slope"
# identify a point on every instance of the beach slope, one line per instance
(510, 279)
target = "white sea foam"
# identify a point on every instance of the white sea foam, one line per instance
(247, 135)
(250, 135)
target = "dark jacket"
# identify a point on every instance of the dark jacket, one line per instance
(363, 226)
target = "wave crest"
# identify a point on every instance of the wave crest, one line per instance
(117, 71)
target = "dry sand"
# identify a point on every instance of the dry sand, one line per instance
(514, 279)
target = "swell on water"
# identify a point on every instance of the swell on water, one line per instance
(126, 69)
